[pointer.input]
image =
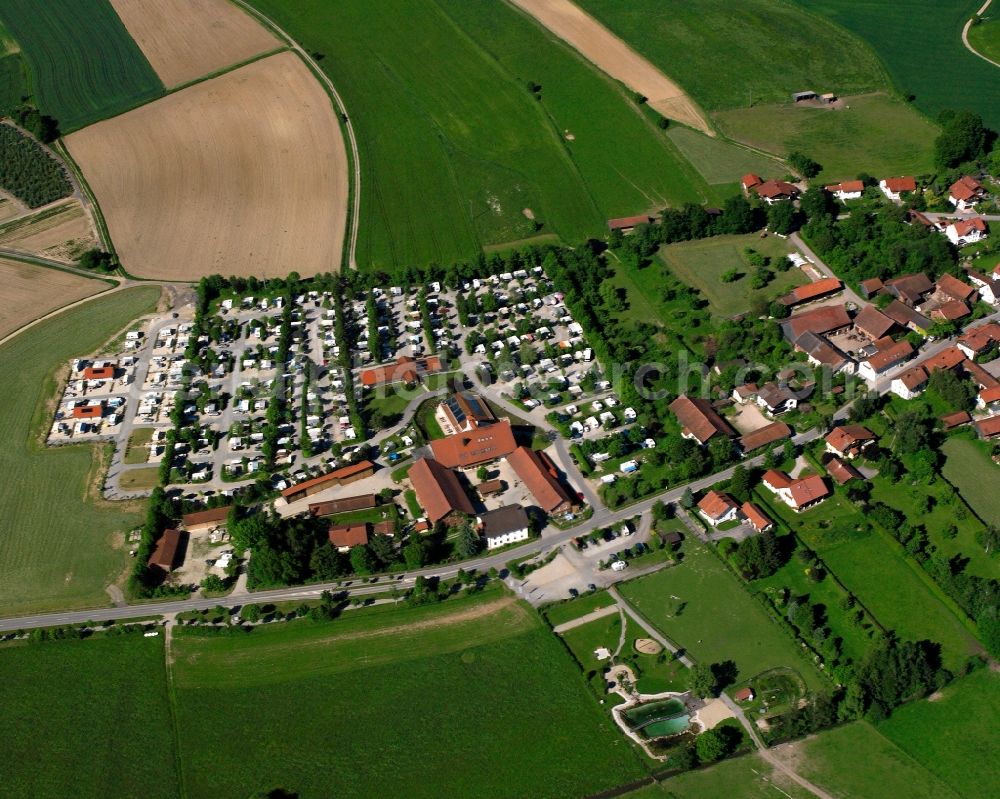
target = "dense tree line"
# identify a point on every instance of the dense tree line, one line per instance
(28, 172)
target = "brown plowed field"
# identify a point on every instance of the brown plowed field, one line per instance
(244, 174)
(61, 231)
(32, 291)
(611, 55)
(188, 39)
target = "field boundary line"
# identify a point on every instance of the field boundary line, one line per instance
(218, 73)
(965, 33)
(354, 188)
(55, 312)
(103, 233)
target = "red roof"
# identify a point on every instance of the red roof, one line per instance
(963, 227)
(955, 288)
(913, 378)
(896, 185)
(946, 359)
(950, 311)
(750, 180)
(166, 549)
(816, 320)
(210, 516)
(99, 372)
(762, 436)
(842, 472)
(626, 222)
(88, 411)
(989, 427)
(404, 370)
(480, 445)
(872, 322)
(808, 490)
(539, 477)
(438, 489)
(349, 535)
(847, 186)
(699, 418)
(890, 356)
(990, 395)
(820, 288)
(335, 477)
(756, 517)
(776, 479)
(966, 188)
(847, 436)
(776, 189)
(951, 420)
(716, 504)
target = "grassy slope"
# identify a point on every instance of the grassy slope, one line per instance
(627, 164)
(921, 44)
(452, 149)
(831, 761)
(84, 66)
(878, 134)
(877, 573)
(720, 621)
(720, 162)
(747, 777)
(985, 37)
(965, 466)
(955, 736)
(86, 719)
(55, 548)
(402, 702)
(720, 51)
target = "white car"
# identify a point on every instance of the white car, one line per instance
(619, 566)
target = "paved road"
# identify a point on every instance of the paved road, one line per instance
(341, 108)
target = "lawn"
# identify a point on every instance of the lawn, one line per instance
(748, 777)
(139, 479)
(966, 466)
(726, 54)
(831, 761)
(13, 82)
(717, 619)
(876, 133)
(955, 735)
(873, 568)
(137, 450)
(81, 716)
(411, 702)
(83, 66)
(921, 44)
(701, 264)
(722, 163)
(454, 147)
(985, 37)
(56, 549)
(562, 612)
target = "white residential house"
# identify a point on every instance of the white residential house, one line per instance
(966, 231)
(894, 188)
(506, 525)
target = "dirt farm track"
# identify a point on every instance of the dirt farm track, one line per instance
(244, 174)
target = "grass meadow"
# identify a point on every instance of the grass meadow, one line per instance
(455, 147)
(920, 43)
(83, 65)
(832, 760)
(748, 777)
(877, 133)
(985, 37)
(722, 163)
(56, 547)
(701, 265)
(721, 52)
(414, 702)
(954, 735)
(874, 569)
(966, 464)
(719, 620)
(89, 719)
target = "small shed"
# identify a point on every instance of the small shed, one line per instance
(803, 96)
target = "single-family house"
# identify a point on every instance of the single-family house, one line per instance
(966, 231)
(910, 289)
(988, 398)
(755, 517)
(910, 383)
(745, 393)
(776, 191)
(699, 420)
(895, 188)
(849, 440)
(345, 536)
(847, 190)
(988, 286)
(841, 472)
(977, 340)
(872, 323)
(799, 494)
(775, 398)
(965, 192)
(505, 525)
(717, 508)
(889, 355)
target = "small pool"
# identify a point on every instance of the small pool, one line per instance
(658, 719)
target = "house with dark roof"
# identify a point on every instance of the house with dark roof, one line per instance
(626, 224)
(168, 551)
(874, 324)
(439, 492)
(871, 287)
(463, 411)
(539, 476)
(910, 289)
(905, 316)
(699, 420)
(506, 525)
(821, 352)
(841, 472)
(472, 448)
(342, 505)
(776, 398)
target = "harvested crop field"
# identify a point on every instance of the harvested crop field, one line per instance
(605, 50)
(32, 291)
(244, 174)
(61, 231)
(188, 39)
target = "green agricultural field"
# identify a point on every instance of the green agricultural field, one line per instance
(876, 133)
(627, 164)
(966, 466)
(985, 37)
(56, 550)
(718, 620)
(720, 162)
(954, 734)
(89, 719)
(749, 777)
(726, 54)
(873, 568)
(831, 761)
(456, 152)
(921, 44)
(701, 264)
(414, 702)
(13, 82)
(83, 65)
